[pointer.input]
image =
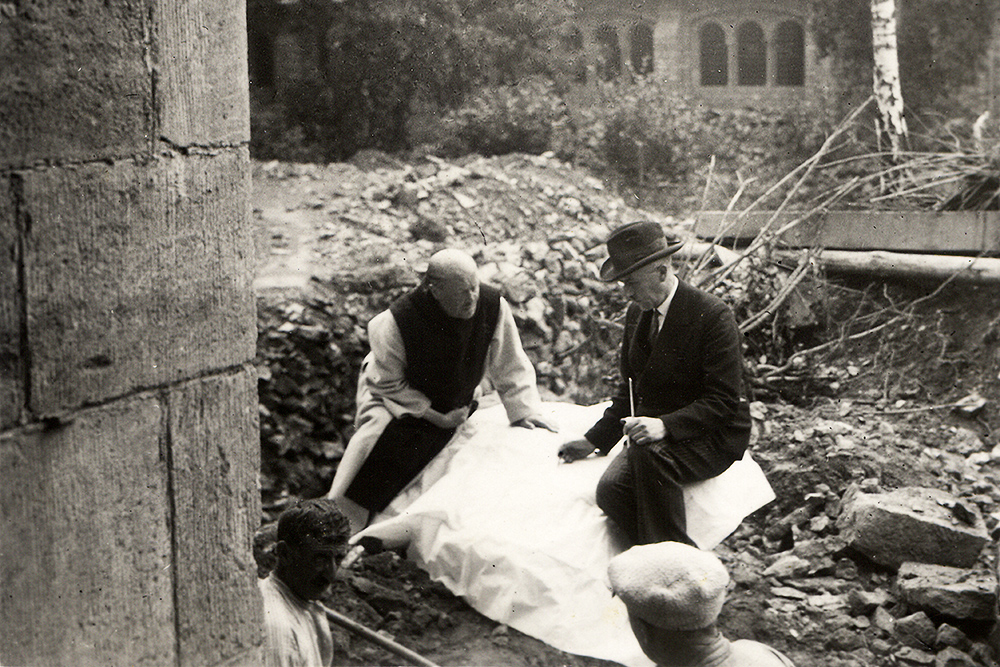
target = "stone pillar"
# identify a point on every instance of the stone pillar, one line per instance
(129, 444)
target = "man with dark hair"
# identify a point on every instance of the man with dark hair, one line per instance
(429, 353)
(680, 400)
(311, 540)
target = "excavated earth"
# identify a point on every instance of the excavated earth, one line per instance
(912, 400)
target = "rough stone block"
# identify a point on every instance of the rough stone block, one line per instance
(86, 564)
(203, 98)
(916, 630)
(215, 456)
(11, 313)
(949, 635)
(136, 275)
(952, 591)
(912, 524)
(862, 602)
(952, 657)
(75, 83)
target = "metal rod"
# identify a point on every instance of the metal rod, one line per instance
(376, 638)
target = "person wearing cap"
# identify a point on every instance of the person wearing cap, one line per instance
(680, 399)
(311, 540)
(673, 593)
(429, 353)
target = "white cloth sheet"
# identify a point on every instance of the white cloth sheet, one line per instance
(502, 523)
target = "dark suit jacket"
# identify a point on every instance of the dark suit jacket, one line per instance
(692, 378)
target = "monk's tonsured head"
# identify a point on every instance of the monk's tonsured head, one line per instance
(453, 281)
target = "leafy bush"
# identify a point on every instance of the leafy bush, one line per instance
(496, 120)
(304, 125)
(365, 64)
(655, 138)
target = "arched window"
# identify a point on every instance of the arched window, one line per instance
(609, 63)
(713, 55)
(751, 57)
(789, 55)
(642, 48)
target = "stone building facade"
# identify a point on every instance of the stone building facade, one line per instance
(727, 54)
(730, 53)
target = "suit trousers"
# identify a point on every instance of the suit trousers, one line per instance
(642, 489)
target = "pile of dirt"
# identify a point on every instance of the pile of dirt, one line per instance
(898, 390)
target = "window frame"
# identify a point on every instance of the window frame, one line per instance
(730, 22)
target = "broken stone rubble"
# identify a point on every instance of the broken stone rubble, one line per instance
(908, 610)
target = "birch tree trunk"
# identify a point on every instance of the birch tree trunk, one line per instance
(888, 95)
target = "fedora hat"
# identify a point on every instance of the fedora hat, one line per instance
(633, 246)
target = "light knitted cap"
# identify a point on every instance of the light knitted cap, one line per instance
(670, 585)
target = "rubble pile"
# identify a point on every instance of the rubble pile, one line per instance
(880, 547)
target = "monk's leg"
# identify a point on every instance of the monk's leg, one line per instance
(401, 452)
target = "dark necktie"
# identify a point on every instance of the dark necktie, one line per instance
(654, 326)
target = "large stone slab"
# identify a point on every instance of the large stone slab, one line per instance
(11, 312)
(75, 81)
(136, 275)
(215, 459)
(203, 97)
(86, 549)
(913, 524)
(952, 591)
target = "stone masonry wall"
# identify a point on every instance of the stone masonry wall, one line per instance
(129, 446)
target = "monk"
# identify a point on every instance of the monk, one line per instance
(429, 353)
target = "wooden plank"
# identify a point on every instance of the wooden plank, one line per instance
(964, 232)
(215, 454)
(136, 275)
(86, 541)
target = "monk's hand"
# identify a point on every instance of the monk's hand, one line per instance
(452, 419)
(575, 449)
(534, 421)
(644, 430)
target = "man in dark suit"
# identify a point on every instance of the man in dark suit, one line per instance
(680, 400)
